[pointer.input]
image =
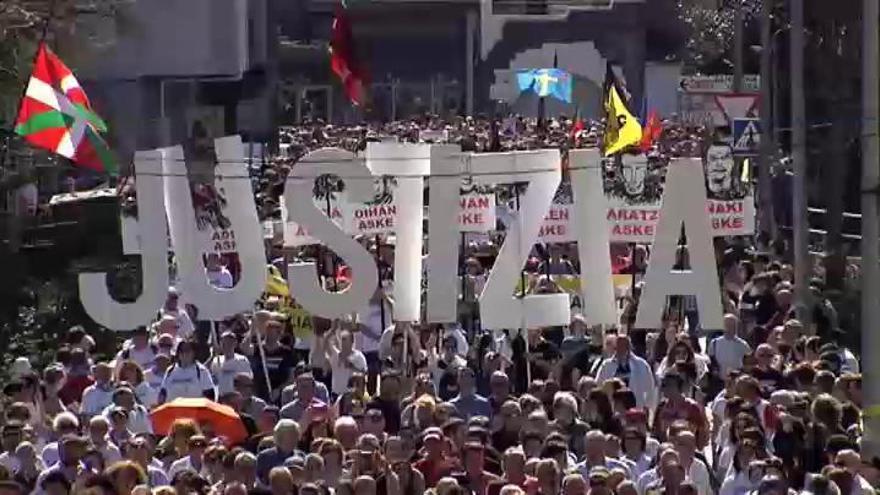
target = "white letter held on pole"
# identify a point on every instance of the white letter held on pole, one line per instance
(152, 248)
(499, 308)
(409, 163)
(684, 202)
(590, 208)
(304, 286)
(189, 240)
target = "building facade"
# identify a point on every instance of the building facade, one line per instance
(457, 56)
(178, 68)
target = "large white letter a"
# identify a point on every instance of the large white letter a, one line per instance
(684, 202)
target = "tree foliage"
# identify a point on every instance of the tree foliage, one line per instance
(709, 46)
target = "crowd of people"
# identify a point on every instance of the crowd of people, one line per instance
(368, 406)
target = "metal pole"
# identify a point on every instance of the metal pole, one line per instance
(768, 139)
(322, 251)
(471, 27)
(522, 279)
(737, 46)
(870, 225)
(381, 286)
(393, 99)
(802, 260)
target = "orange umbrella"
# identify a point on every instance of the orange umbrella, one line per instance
(224, 420)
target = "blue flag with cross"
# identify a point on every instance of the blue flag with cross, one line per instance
(556, 83)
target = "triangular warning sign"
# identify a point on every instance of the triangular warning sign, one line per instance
(750, 137)
(736, 106)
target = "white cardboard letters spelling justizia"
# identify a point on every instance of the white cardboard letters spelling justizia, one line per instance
(445, 167)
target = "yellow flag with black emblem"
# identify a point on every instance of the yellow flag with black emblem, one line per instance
(622, 129)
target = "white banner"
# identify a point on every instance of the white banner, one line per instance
(476, 213)
(637, 223)
(369, 219)
(296, 235)
(558, 226)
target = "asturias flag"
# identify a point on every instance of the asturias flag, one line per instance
(622, 129)
(55, 114)
(546, 82)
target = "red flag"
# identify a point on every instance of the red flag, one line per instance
(343, 59)
(578, 124)
(651, 133)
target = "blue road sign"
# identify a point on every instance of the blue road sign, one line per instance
(746, 136)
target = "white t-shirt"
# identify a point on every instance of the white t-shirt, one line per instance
(729, 352)
(374, 323)
(342, 371)
(190, 381)
(143, 357)
(185, 327)
(220, 278)
(95, 399)
(224, 371)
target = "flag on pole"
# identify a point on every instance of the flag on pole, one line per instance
(546, 82)
(622, 129)
(577, 124)
(276, 285)
(651, 133)
(343, 59)
(55, 114)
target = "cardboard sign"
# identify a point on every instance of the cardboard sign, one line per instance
(296, 235)
(476, 213)
(557, 226)
(369, 219)
(638, 223)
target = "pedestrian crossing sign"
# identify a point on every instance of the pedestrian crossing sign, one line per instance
(746, 136)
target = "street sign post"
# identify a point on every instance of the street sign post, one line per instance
(746, 136)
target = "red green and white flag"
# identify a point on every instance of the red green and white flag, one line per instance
(55, 114)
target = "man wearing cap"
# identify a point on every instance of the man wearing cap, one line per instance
(228, 364)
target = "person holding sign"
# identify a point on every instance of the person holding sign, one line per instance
(344, 359)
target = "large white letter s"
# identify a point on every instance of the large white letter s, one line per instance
(304, 286)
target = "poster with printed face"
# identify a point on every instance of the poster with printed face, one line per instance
(634, 187)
